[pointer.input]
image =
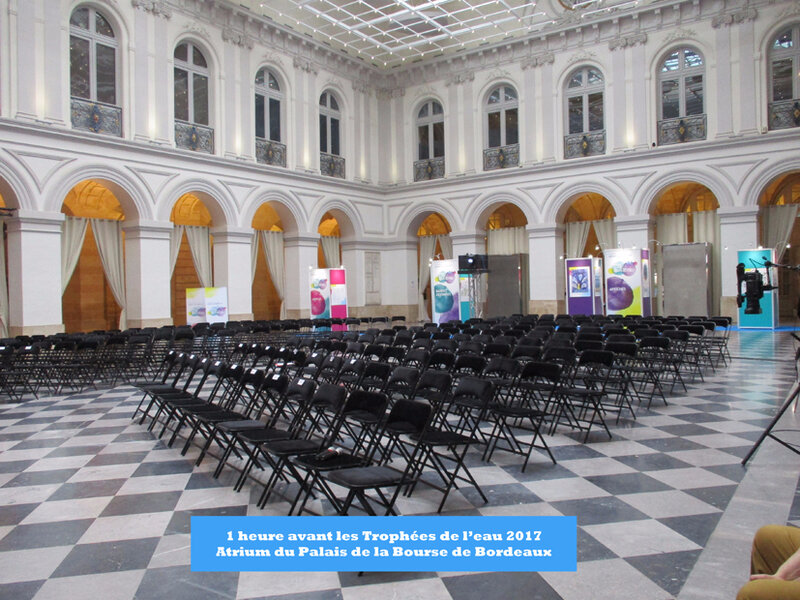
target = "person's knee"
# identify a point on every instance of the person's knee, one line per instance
(748, 591)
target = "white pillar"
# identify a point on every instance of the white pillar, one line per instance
(546, 264)
(353, 261)
(633, 231)
(399, 278)
(232, 269)
(34, 273)
(738, 230)
(147, 273)
(467, 242)
(300, 255)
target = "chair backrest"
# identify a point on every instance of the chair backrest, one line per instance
(596, 357)
(626, 348)
(541, 370)
(476, 388)
(434, 384)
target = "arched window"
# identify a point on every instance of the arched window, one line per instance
(585, 122)
(681, 91)
(269, 96)
(331, 161)
(268, 106)
(784, 78)
(502, 128)
(93, 73)
(430, 142)
(191, 84)
(92, 57)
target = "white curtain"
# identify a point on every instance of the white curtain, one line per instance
(253, 256)
(108, 235)
(506, 240)
(672, 229)
(73, 233)
(200, 245)
(446, 243)
(777, 223)
(273, 247)
(706, 229)
(577, 233)
(330, 250)
(3, 283)
(427, 247)
(175, 238)
(606, 230)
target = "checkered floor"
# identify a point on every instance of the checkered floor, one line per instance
(91, 505)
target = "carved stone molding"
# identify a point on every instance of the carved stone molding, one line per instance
(197, 28)
(362, 87)
(389, 93)
(306, 65)
(538, 60)
(680, 34)
(272, 58)
(159, 8)
(627, 41)
(791, 13)
(734, 18)
(460, 78)
(581, 56)
(237, 38)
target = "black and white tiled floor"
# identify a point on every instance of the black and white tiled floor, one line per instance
(92, 506)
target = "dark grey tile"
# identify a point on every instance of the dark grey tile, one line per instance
(198, 481)
(19, 435)
(181, 519)
(733, 472)
(349, 579)
(11, 514)
(593, 511)
(116, 458)
(15, 466)
(134, 504)
(24, 590)
(107, 557)
(88, 489)
(697, 528)
(134, 436)
(590, 549)
(92, 431)
(652, 462)
(575, 452)
(44, 535)
(698, 417)
(41, 477)
(67, 425)
(538, 470)
(628, 483)
(38, 420)
(669, 569)
(319, 595)
(499, 495)
(672, 444)
(74, 451)
(737, 451)
(716, 496)
(45, 443)
(165, 467)
(688, 429)
(499, 585)
(178, 583)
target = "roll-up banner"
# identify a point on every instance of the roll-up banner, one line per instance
(328, 294)
(206, 305)
(627, 274)
(445, 290)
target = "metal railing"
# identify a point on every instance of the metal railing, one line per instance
(331, 165)
(95, 116)
(270, 153)
(682, 129)
(585, 144)
(191, 136)
(501, 157)
(784, 114)
(429, 168)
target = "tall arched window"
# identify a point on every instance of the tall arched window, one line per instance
(269, 96)
(93, 72)
(331, 161)
(502, 128)
(192, 99)
(430, 142)
(584, 113)
(681, 91)
(784, 78)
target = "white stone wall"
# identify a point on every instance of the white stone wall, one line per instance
(378, 205)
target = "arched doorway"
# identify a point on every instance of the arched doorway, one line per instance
(190, 251)
(589, 226)
(92, 261)
(778, 208)
(268, 240)
(686, 212)
(433, 243)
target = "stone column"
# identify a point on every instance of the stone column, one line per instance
(147, 273)
(300, 256)
(34, 273)
(232, 269)
(399, 278)
(468, 242)
(633, 231)
(546, 268)
(738, 230)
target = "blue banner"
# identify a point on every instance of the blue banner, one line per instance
(384, 543)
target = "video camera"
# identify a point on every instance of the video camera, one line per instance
(750, 287)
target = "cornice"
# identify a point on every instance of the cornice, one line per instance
(159, 8)
(736, 17)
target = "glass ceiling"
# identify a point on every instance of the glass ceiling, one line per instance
(389, 33)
